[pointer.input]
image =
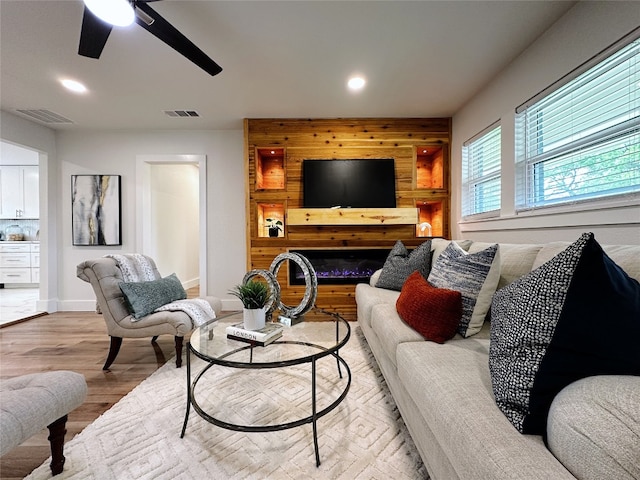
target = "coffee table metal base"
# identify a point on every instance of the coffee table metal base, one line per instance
(313, 418)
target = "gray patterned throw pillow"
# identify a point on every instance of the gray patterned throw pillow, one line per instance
(144, 297)
(401, 263)
(475, 275)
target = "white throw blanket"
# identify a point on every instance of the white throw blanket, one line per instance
(198, 309)
(136, 267)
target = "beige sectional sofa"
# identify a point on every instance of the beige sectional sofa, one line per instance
(444, 391)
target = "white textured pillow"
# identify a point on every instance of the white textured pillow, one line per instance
(475, 275)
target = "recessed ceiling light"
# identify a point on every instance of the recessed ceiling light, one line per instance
(356, 83)
(74, 86)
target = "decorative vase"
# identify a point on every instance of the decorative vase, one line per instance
(253, 318)
(273, 231)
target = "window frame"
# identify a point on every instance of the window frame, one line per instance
(527, 164)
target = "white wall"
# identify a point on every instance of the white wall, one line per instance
(584, 31)
(80, 152)
(175, 226)
(115, 153)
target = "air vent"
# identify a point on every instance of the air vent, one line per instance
(44, 116)
(181, 113)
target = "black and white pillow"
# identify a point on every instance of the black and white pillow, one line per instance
(577, 315)
(401, 263)
(474, 275)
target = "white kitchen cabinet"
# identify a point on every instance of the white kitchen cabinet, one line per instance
(19, 191)
(19, 262)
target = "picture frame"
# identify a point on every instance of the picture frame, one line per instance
(96, 211)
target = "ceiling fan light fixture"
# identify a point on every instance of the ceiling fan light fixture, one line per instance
(144, 17)
(115, 12)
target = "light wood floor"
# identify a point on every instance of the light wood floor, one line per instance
(73, 341)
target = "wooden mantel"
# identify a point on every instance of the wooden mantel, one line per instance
(352, 216)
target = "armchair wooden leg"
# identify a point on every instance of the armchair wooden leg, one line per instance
(57, 431)
(114, 348)
(179, 351)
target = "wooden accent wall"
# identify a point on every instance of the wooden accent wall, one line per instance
(294, 140)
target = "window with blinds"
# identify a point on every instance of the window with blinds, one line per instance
(481, 173)
(580, 138)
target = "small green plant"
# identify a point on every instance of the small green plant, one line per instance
(252, 294)
(274, 223)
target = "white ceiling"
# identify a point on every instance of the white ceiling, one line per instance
(280, 59)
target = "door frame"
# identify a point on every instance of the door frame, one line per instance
(143, 203)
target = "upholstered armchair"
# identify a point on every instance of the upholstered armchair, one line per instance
(105, 276)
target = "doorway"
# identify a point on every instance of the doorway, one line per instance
(172, 216)
(19, 232)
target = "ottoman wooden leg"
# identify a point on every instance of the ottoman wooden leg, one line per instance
(57, 432)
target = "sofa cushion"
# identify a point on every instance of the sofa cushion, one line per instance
(451, 386)
(144, 297)
(575, 316)
(594, 427)
(516, 259)
(474, 275)
(368, 296)
(401, 263)
(391, 330)
(432, 312)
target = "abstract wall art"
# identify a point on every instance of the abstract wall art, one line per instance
(96, 210)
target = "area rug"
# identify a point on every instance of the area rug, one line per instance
(139, 437)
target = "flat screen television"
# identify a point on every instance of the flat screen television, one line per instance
(356, 183)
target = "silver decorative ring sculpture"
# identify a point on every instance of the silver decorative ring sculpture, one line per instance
(310, 280)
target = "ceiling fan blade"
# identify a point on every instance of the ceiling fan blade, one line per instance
(93, 35)
(176, 40)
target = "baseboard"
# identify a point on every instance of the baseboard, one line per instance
(49, 306)
(194, 282)
(76, 306)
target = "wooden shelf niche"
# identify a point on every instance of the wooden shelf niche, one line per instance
(270, 210)
(270, 168)
(429, 169)
(430, 218)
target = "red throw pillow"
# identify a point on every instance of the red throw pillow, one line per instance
(432, 312)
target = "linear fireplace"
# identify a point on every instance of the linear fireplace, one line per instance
(339, 266)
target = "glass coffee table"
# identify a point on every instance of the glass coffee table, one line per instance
(320, 336)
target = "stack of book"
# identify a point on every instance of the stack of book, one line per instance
(262, 337)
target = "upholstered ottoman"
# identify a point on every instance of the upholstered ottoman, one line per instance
(32, 402)
(593, 427)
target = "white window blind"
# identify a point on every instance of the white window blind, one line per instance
(581, 140)
(481, 173)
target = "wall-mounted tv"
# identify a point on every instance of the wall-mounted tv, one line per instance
(354, 183)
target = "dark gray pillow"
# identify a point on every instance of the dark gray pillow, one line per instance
(144, 297)
(400, 264)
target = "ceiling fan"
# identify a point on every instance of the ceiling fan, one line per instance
(95, 32)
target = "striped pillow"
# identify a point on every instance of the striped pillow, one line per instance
(475, 276)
